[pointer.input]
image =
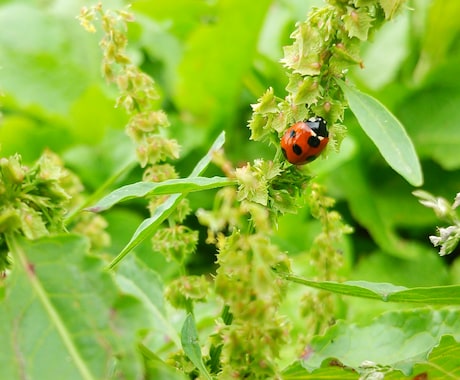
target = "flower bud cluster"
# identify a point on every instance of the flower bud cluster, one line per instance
(147, 127)
(34, 200)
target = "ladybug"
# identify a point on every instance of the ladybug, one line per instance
(305, 140)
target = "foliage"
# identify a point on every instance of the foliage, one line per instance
(449, 236)
(153, 240)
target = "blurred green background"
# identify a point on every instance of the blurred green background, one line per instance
(211, 60)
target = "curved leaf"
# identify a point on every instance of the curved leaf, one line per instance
(433, 295)
(63, 314)
(386, 132)
(191, 346)
(149, 225)
(396, 339)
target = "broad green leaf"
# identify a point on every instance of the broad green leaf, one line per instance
(443, 361)
(386, 132)
(219, 53)
(62, 314)
(432, 118)
(191, 346)
(396, 339)
(143, 189)
(150, 225)
(330, 370)
(366, 210)
(433, 295)
(135, 278)
(51, 67)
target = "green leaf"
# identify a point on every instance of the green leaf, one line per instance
(440, 32)
(211, 76)
(49, 68)
(149, 226)
(191, 346)
(63, 314)
(366, 209)
(443, 361)
(140, 281)
(391, 7)
(143, 189)
(387, 133)
(157, 369)
(396, 339)
(329, 371)
(419, 112)
(433, 295)
(357, 22)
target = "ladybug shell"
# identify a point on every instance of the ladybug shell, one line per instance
(305, 140)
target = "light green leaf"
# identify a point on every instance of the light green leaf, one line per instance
(328, 371)
(433, 295)
(443, 361)
(211, 77)
(135, 278)
(150, 225)
(395, 339)
(387, 133)
(391, 7)
(143, 189)
(49, 68)
(63, 314)
(157, 369)
(191, 346)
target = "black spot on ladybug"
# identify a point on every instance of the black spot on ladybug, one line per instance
(284, 152)
(313, 141)
(311, 158)
(297, 149)
(292, 134)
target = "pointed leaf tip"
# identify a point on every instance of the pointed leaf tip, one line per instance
(386, 132)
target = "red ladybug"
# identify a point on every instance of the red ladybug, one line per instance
(305, 140)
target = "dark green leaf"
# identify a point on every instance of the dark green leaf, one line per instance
(435, 109)
(387, 133)
(366, 209)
